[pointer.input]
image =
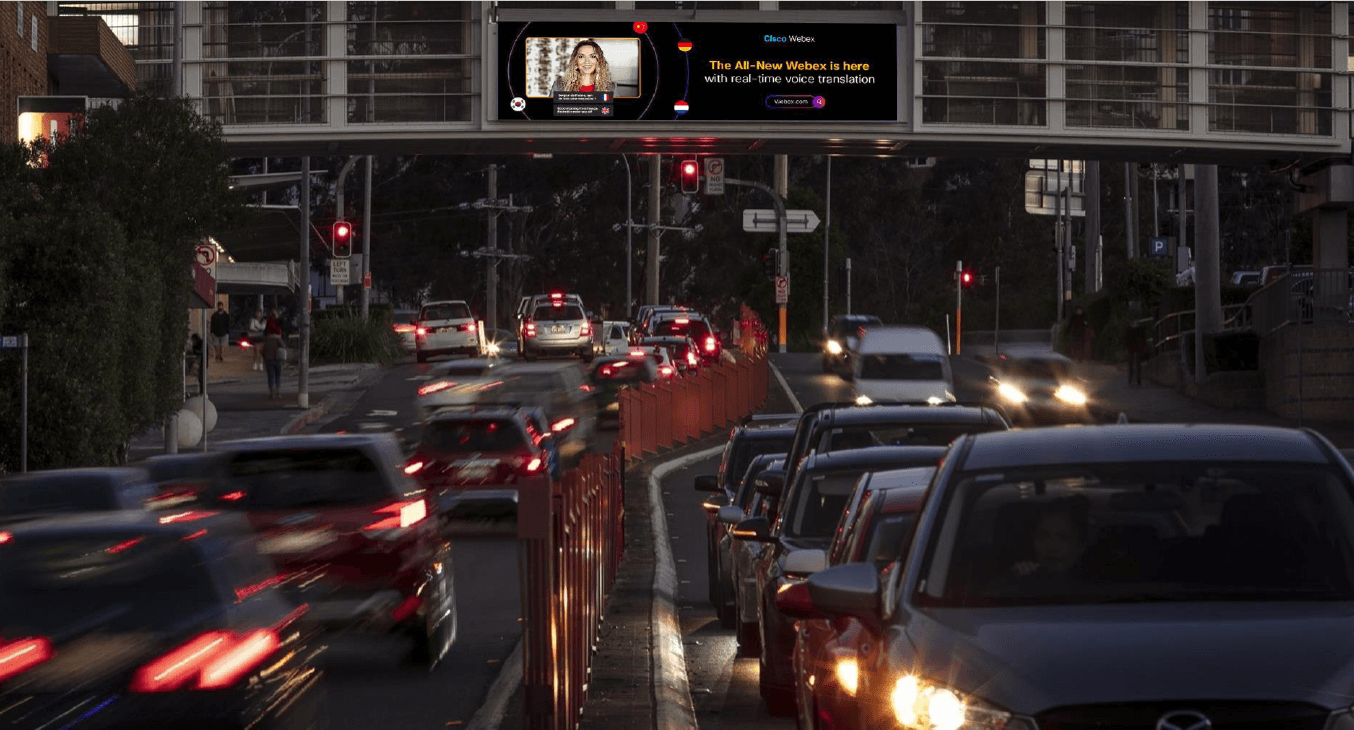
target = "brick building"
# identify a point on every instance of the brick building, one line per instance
(23, 60)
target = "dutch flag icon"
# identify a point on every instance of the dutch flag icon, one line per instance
(681, 107)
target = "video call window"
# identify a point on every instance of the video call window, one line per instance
(550, 66)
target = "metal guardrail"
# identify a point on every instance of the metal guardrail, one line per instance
(662, 415)
(1304, 297)
(1168, 331)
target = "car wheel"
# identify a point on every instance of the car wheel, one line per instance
(433, 638)
(749, 638)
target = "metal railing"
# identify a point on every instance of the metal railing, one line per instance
(1324, 296)
(1169, 331)
(662, 415)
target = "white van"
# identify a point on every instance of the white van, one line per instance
(903, 365)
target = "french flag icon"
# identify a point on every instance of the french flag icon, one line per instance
(606, 96)
(681, 107)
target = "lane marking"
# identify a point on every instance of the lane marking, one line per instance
(786, 386)
(490, 714)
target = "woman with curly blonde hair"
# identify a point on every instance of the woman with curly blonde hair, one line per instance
(587, 70)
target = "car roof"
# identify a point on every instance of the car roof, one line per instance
(443, 301)
(133, 521)
(310, 441)
(1142, 443)
(664, 340)
(753, 431)
(893, 339)
(938, 415)
(903, 497)
(119, 474)
(490, 410)
(855, 458)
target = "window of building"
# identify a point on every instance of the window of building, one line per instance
(33, 40)
(984, 63)
(1129, 77)
(418, 62)
(1280, 59)
(19, 11)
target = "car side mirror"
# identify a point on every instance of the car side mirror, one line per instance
(754, 529)
(730, 515)
(716, 502)
(793, 601)
(770, 483)
(848, 590)
(803, 563)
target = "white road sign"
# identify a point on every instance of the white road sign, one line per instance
(763, 220)
(714, 175)
(338, 272)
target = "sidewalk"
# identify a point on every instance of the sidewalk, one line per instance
(1152, 403)
(243, 408)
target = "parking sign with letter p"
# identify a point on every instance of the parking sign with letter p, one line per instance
(714, 175)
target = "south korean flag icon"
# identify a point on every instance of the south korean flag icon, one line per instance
(518, 104)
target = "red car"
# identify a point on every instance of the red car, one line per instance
(829, 653)
(349, 532)
(695, 326)
(483, 449)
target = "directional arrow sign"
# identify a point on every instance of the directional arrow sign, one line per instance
(763, 220)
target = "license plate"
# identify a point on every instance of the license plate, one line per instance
(473, 472)
(296, 542)
(557, 328)
(447, 329)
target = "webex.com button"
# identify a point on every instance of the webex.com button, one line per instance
(795, 101)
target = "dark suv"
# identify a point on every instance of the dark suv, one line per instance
(843, 336)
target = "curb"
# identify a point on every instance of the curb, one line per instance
(673, 707)
(313, 414)
(785, 386)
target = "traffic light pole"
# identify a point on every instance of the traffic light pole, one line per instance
(491, 277)
(959, 307)
(784, 250)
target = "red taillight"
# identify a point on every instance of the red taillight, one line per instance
(468, 327)
(233, 496)
(556, 295)
(431, 388)
(691, 358)
(710, 344)
(244, 344)
(6, 537)
(402, 328)
(637, 353)
(402, 515)
(530, 328)
(562, 425)
(124, 546)
(534, 465)
(189, 516)
(214, 660)
(682, 320)
(586, 331)
(408, 607)
(413, 468)
(666, 371)
(421, 331)
(22, 655)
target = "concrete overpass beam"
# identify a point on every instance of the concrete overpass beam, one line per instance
(1207, 264)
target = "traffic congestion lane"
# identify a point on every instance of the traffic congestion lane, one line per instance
(803, 373)
(723, 685)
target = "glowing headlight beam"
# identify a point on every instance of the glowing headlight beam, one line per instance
(1070, 395)
(848, 675)
(834, 347)
(1012, 393)
(863, 400)
(945, 710)
(906, 692)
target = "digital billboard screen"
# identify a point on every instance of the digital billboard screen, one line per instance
(724, 72)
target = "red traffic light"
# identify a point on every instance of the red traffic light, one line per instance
(343, 239)
(689, 167)
(690, 176)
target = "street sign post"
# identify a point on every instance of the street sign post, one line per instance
(782, 290)
(763, 220)
(20, 342)
(338, 272)
(1042, 190)
(366, 280)
(714, 175)
(1159, 246)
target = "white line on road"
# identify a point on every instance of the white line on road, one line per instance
(490, 714)
(793, 400)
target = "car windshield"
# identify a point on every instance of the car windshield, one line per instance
(850, 327)
(750, 448)
(902, 367)
(438, 312)
(68, 493)
(819, 503)
(694, 328)
(293, 479)
(917, 434)
(63, 587)
(563, 313)
(405, 317)
(1142, 532)
(887, 538)
(1038, 369)
(746, 493)
(473, 436)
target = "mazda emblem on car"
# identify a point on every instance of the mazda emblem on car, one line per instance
(1184, 720)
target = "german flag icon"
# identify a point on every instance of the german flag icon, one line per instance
(684, 45)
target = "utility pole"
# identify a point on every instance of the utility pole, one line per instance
(1058, 242)
(959, 307)
(366, 238)
(848, 285)
(1207, 264)
(629, 232)
(996, 316)
(176, 82)
(303, 361)
(491, 280)
(341, 211)
(651, 250)
(782, 176)
(827, 255)
(1091, 230)
(781, 225)
(1130, 219)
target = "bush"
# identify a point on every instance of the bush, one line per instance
(346, 337)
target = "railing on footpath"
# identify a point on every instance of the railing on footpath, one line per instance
(1168, 331)
(572, 537)
(667, 414)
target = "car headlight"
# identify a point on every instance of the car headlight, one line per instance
(834, 347)
(922, 705)
(935, 401)
(848, 675)
(1012, 393)
(863, 400)
(1070, 395)
(492, 348)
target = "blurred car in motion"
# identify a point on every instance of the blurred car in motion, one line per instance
(340, 511)
(809, 510)
(747, 441)
(560, 390)
(691, 325)
(557, 328)
(1043, 389)
(681, 350)
(610, 375)
(902, 365)
(131, 620)
(454, 384)
(1049, 563)
(615, 339)
(480, 449)
(405, 323)
(446, 328)
(499, 344)
(875, 529)
(843, 337)
(97, 489)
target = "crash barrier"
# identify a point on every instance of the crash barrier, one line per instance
(662, 415)
(573, 536)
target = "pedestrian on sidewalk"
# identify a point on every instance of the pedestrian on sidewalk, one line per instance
(220, 327)
(1135, 342)
(272, 326)
(272, 364)
(257, 328)
(1079, 331)
(195, 364)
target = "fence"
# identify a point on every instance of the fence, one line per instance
(572, 537)
(662, 415)
(1169, 331)
(1304, 297)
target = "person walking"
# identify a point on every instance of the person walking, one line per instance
(1136, 343)
(1079, 331)
(272, 363)
(220, 328)
(257, 327)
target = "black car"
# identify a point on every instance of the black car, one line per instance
(96, 489)
(609, 375)
(1169, 576)
(745, 443)
(809, 510)
(129, 620)
(1043, 390)
(843, 336)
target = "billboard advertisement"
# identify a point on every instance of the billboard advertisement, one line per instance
(701, 71)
